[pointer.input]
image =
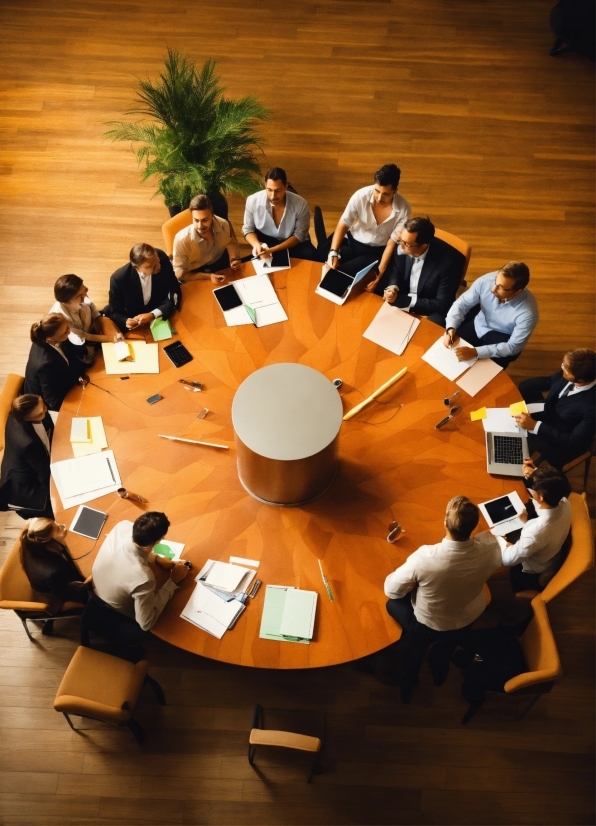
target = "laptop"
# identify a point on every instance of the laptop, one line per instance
(336, 285)
(505, 453)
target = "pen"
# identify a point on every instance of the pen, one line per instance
(326, 583)
(190, 441)
(442, 422)
(293, 639)
(111, 471)
(192, 383)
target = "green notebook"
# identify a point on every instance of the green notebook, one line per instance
(160, 329)
(288, 609)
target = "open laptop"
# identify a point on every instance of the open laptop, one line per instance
(336, 285)
(505, 453)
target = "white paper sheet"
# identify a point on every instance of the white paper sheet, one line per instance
(146, 359)
(258, 293)
(535, 407)
(225, 576)
(263, 265)
(499, 420)
(478, 376)
(207, 611)
(72, 475)
(445, 361)
(392, 328)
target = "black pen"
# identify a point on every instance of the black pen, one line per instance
(111, 471)
(442, 422)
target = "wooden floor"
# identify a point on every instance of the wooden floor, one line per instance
(496, 143)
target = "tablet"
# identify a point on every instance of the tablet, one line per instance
(88, 522)
(336, 282)
(502, 509)
(227, 297)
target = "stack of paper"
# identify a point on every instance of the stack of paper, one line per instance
(445, 361)
(288, 614)
(96, 443)
(208, 611)
(85, 478)
(392, 328)
(225, 578)
(145, 358)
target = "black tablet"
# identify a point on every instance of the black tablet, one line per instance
(88, 522)
(336, 282)
(500, 509)
(227, 297)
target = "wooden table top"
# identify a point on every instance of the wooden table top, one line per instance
(393, 465)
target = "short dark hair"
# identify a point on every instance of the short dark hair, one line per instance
(388, 175)
(461, 517)
(551, 484)
(66, 287)
(149, 528)
(49, 325)
(201, 202)
(276, 173)
(140, 253)
(519, 271)
(582, 364)
(23, 405)
(423, 227)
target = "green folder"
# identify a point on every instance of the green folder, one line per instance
(274, 614)
(160, 329)
(163, 550)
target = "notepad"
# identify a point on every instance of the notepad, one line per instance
(478, 376)
(80, 430)
(445, 361)
(288, 614)
(391, 328)
(98, 439)
(123, 351)
(171, 550)
(160, 329)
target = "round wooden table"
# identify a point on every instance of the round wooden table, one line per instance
(393, 465)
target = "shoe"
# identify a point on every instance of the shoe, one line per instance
(48, 628)
(319, 224)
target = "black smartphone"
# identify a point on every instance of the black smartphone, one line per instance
(153, 399)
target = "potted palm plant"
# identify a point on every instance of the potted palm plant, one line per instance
(198, 140)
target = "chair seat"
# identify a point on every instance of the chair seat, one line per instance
(284, 739)
(99, 685)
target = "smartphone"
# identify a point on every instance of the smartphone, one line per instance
(153, 399)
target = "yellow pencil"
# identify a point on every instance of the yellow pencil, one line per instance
(374, 395)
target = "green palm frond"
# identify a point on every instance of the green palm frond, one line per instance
(198, 140)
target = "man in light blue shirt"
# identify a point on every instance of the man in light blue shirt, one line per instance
(495, 316)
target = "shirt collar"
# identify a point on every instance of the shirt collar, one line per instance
(142, 275)
(421, 257)
(393, 205)
(453, 545)
(546, 514)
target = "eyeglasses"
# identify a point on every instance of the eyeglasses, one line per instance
(407, 246)
(504, 289)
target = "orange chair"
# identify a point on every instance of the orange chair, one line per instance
(173, 226)
(586, 458)
(460, 245)
(11, 389)
(16, 594)
(580, 555)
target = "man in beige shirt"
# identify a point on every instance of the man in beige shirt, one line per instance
(206, 246)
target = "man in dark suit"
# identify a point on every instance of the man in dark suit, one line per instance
(144, 289)
(565, 428)
(425, 280)
(25, 472)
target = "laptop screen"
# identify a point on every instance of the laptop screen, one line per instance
(500, 509)
(336, 282)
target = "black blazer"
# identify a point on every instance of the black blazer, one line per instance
(126, 294)
(48, 375)
(441, 275)
(25, 471)
(54, 575)
(567, 424)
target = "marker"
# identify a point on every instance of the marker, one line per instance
(191, 441)
(326, 583)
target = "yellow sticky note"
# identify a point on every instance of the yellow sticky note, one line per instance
(476, 415)
(517, 408)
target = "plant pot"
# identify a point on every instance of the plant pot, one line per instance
(220, 205)
(175, 210)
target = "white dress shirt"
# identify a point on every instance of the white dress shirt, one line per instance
(146, 288)
(123, 578)
(79, 321)
(42, 433)
(450, 577)
(191, 251)
(541, 539)
(415, 273)
(574, 389)
(258, 215)
(359, 217)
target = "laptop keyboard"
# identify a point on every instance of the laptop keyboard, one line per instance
(508, 450)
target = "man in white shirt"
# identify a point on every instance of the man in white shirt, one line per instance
(277, 219)
(123, 579)
(370, 226)
(206, 246)
(535, 557)
(439, 588)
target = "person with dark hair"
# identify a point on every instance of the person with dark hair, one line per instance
(54, 364)
(49, 567)
(124, 582)
(535, 557)
(439, 588)
(85, 322)
(564, 428)
(370, 227)
(424, 281)
(205, 247)
(496, 316)
(25, 471)
(144, 289)
(278, 219)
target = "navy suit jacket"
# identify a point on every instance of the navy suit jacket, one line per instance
(126, 293)
(568, 423)
(25, 470)
(441, 275)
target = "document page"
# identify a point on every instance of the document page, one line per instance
(146, 359)
(258, 292)
(478, 376)
(392, 328)
(445, 361)
(499, 420)
(85, 478)
(98, 439)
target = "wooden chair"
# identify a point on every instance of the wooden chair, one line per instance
(541, 656)
(580, 554)
(173, 226)
(11, 389)
(586, 458)
(460, 245)
(16, 594)
(102, 687)
(271, 738)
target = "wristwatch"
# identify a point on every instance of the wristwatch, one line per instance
(334, 254)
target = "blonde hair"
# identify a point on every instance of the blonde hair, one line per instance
(461, 518)
(39, 530)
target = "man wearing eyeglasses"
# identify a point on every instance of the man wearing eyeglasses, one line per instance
(496, 316)
(424, 281)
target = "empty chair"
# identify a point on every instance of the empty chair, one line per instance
(261, 737)
(173, 226)
(106, 688)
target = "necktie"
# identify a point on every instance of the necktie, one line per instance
(567, 390)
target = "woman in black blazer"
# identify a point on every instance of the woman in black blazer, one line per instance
(54, 366)
(49, 566)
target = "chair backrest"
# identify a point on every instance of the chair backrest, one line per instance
(172, 226)
(458, 243)
(580, 557)
(284, 740)
(11, 389)
(16, 592)
(540, 651)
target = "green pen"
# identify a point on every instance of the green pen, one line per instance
(251, 314)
